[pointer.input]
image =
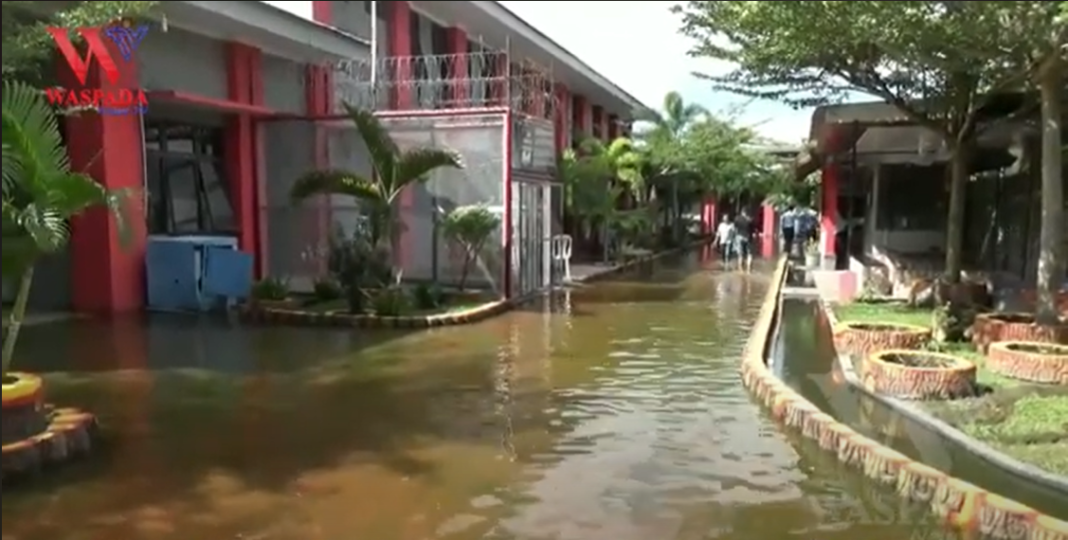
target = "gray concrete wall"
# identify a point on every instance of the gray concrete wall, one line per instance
(283, 84)
(181, 60)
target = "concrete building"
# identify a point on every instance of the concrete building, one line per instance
(243, 97)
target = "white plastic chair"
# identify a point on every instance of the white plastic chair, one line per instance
(560, 249)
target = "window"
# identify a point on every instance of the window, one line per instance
(912, 198)
(188, 192)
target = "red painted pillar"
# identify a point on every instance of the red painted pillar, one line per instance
(708, 215)
(244, 78)
(582, 115)
(535, 86)
(459, 70)
(319, 101)
(399, 47)
(107, 276)
(768, 222)
(829, 197)
(561, 117)
(613, 127)
(322, 11)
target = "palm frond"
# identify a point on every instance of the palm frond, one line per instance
(380, 145)
(334, 182)
(33, 147)
(415, 165)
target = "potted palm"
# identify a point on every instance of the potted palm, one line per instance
(393, 169)
(41, 194)
(469, 227)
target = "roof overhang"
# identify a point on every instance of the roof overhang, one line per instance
(266, 27)
(499, 27)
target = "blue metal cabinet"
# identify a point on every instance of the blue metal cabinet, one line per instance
(195, 273)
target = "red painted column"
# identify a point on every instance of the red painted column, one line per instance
(582, 115)
(768, 222)
(829, 206)
(499, 82)
(322, 12)
(459, 70)
(535, 86)
(244, 79)
(399, 47)
(596, 113)
(613, 127)
(708, 215)
(107, 276)
(319, 101)
(561, 117)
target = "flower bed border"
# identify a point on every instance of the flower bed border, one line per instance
(298, 317)
(913, 382)
(68, 433)
(961, 504)
(1026, 366)
(850, 338)
(988, 328)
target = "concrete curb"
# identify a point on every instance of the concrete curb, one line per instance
(339, 319)
(962, 505)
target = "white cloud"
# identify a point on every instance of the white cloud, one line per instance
(637, 45)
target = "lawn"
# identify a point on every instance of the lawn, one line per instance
(1026, 421)
(342, 306)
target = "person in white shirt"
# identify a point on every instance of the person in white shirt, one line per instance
(788, 228)
(725, 238)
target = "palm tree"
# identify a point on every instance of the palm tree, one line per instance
(393, 170)
(676, 116)
(41, 194)
(669, 127)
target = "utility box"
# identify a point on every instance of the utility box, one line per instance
(196, 273)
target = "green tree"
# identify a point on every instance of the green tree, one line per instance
(393, 170)
(41, 194)
(28, 48)
(675, 116)
(938, 63)
(470, 227)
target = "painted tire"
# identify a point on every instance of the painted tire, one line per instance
(993, 327)
(862, 339)
(1013, 359)
(26, 390)
(955, 378)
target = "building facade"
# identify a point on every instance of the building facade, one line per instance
(243, 97)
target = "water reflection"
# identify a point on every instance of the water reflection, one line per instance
(612, 411)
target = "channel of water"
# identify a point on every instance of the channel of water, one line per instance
(612, 411)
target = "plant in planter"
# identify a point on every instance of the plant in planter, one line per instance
(394, 170)
(272, 292)
(952, 322)
(1030, 361)
(358, 266)
(40, 195)
(470, 227)
(919, 374)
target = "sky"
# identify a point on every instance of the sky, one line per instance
(637, 46)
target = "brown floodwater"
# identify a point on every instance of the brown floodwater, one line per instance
(613, 411)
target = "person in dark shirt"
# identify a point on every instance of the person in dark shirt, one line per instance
(743, 240)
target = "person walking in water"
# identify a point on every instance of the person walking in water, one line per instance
(788, 226)
(724, 238)
(743, 240)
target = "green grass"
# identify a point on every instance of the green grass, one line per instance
(1026, 421)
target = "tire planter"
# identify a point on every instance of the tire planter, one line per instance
(912, 374)
(993, 327)
(862, 339)
(35, 434)
(1029, 361)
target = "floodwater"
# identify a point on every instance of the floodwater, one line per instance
(613, 412)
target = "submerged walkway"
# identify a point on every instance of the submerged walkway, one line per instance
(613, 411)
